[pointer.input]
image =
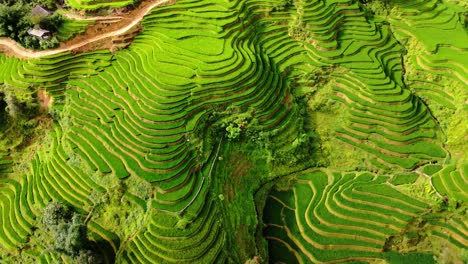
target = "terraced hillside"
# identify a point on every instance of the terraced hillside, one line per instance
(246, 131)
(329, 217)
(96, 4)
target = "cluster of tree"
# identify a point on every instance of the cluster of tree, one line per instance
(240, 124)
(50, 4)
(372, 8)
(16, 19)
(282, 5)
(18, 109)
(70, 233)
(3, 113)
(19, 103)
(231, 122)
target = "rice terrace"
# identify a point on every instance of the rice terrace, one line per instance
(234, 131)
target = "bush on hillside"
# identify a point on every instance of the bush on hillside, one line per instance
(70, 233)
(14, 21)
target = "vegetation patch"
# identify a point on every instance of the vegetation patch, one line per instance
(234, 132)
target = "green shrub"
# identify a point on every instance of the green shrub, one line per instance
(88, 257)
(52, 22)
(72, 237)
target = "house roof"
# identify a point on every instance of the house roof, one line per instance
(37, 32)
(40, 11)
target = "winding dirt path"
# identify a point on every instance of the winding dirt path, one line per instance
(13, 48)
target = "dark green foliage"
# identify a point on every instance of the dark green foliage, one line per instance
(3, 113)
(279, 251)
(374, 7)
(20, 104)
(88, 257)
(14, 21)
(70, 232)
(56, 213)
(18, 113)
(48, 44)
(31, 42)
(282, 5)
(71, 237)
(52, 23)
(50, 4)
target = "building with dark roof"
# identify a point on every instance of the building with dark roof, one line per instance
(40, 11)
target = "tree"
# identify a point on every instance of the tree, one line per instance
(31, 42)
(88, 257)
(3, 113)
(233, 131)
(20, 103)
(55, 213)
(71, 237)
(49, 4)
(14, 21)
(8, 2)
(13, 106)
(70, 232)
(49, 43)
(51, 23)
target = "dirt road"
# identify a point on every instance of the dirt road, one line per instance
(17, 50)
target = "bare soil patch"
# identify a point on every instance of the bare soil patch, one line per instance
(44, 99)
(241, 166)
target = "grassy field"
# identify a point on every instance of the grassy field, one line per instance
(246, 132)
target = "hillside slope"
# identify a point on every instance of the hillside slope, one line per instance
(263, 131)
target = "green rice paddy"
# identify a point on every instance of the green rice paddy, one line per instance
(322, 131)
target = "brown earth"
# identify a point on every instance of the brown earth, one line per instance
(97, 36)
(44, 99)
(241, 166)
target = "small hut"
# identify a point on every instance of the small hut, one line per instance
(40, 33)
(40, 11)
